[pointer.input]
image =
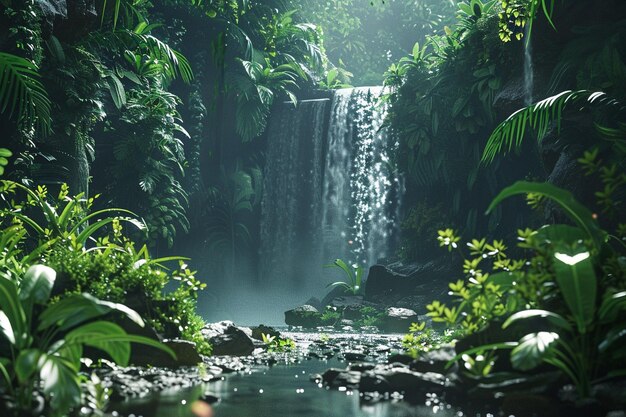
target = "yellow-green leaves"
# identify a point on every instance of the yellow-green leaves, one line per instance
(448, 238)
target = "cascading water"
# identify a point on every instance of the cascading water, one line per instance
(529, 74)
(292, 194)
(330, 190)
(361, 188)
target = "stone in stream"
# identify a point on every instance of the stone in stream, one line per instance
(186, 353)
(341, 378)
(261, 329)
(400, 358)
(371, 382)
(434, 361)
(398, 320)
(352, 355)
(306, 316)
(228, 339)
(410, 382)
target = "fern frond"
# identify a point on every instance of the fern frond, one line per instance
(21, 92)
(540, 116)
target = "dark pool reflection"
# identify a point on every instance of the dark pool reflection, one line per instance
(277, 391)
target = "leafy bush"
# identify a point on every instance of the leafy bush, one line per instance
(91, 254)
(47, 339)
(572, 277)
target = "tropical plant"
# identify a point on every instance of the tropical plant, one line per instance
(4, 155)
(353, 275)
(257, 87)
(92, 254)
(510, 134)
(22, 94)
(277, 343)
(149, 160)
(517, 17)
(47, 339)
(64, 218)
(584, 335)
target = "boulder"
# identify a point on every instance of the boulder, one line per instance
(186, 353)
(371, 382)
(340, 378)
(388, 284)
(261, 329)
(315, 302)
(407, 381)
(228, 339)
(305, 316)
(398, 320)
(434, 361)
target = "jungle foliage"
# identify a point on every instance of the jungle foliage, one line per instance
(68, 276)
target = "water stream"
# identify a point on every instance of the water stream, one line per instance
(279, 391)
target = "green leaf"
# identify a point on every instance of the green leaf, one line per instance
(612, 336)
(611, 306)
(37, 284)
(79, 308)
(553, 318)
(13, 318)
(22, 92)
(578, 284)
(101, 335)
(555, 233)
(60, 383)
(532, 350)
(26, 364)
(576, 211)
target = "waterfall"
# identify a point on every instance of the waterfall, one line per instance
(330, 190)
(292, 193)
(529, 75)
(361, 188)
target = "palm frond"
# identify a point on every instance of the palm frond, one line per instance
(21, 92)
(540, 116)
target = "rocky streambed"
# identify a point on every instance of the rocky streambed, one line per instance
(334, 373)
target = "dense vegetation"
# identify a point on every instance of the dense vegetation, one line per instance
(160, 107)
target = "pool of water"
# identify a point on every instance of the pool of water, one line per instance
(283, 390)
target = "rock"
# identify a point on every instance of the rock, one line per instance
(405, 380)
(305, 316)
(343, 323)
(186, 353)
(400, 358)
(53, 8)
(370, 382)
(352, 312)
(347, 301)
(354, 355)
(233, 343)
(315, 302)
(386, 284)
(398, 320)
(361, 366)
(340, 378)
(228, 339)
(433, 361)
(261, 329)
(209, 399)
